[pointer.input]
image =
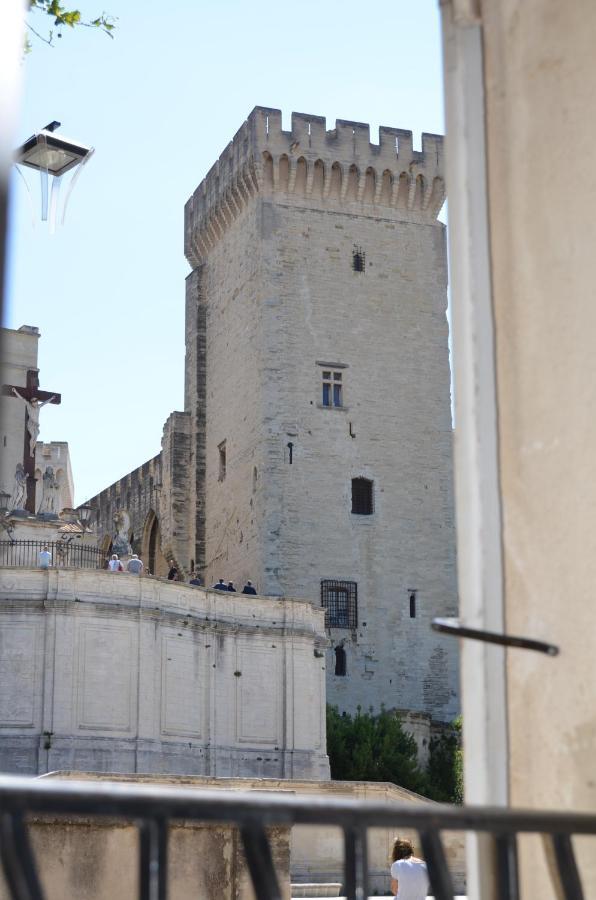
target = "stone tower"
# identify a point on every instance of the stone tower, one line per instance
(317, 390)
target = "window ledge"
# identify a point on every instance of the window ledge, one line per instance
(333, 408)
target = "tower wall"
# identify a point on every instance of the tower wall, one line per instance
(275, 230)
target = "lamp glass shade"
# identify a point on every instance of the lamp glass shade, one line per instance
(4, 501)
(47, 151)
(85, 514)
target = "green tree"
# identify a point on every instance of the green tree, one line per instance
(445, 766)
(368, 747)
(60, 17)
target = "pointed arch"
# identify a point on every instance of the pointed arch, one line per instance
(418, 192)
(403, 189)
(336, 178)
(318, 179)
(301, 173)
(284, 172)
(268, 170)
(352, 186)
(386, 188)
(370, 181)
(151, 549)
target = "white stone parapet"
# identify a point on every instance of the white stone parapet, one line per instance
(315, 166)
(110, 672)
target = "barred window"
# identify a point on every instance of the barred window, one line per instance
(340, 600)
(362, 497)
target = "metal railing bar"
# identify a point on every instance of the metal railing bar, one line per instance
(436, 863)
(260, 862)
(18, 861)
(567, 867)
(350, 865)
(145, 873)
(153, 859)
(507, 867)
(125, 801)
(356, 863)
(162, 859)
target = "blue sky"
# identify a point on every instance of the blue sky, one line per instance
(159, 103)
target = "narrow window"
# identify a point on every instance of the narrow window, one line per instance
(340, 661)
(362, 497)
(358, 259)
(340, 600)
(412, 604)
(332, 388)
(222, 460)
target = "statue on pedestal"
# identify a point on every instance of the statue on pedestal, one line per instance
(49, 497)
(19, 491)
(120, 544)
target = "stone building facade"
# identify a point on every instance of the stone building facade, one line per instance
(107, 672)
(19, 356)
(314, 453)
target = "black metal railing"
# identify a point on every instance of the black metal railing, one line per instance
(152, 808)
(64, 554)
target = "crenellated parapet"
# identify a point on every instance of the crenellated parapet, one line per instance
(314, 167)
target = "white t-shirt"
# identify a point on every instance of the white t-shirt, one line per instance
(412, 879)
(114, 565)
(45, 559)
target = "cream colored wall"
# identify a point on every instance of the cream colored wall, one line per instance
(19, 353)
(316, 852)
(112, 672)
(82, 860)
(540, 83)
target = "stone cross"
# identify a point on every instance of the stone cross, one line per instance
(33, 399)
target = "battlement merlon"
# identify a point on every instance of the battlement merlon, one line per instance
(315, 165)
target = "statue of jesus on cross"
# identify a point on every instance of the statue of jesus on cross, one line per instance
(33, 405)
(34, 400)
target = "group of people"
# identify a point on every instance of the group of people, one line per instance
(135, 567)
(222, 586)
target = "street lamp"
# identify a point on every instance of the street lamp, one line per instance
(54, 156)
(84, 513)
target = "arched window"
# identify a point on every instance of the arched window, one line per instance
(362, 497)
(340, 661)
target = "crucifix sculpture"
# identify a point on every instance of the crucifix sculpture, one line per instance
(34, 399)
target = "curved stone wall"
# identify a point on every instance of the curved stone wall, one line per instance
(105, 672)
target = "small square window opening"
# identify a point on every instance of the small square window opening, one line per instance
(362, 497)
(412, 604)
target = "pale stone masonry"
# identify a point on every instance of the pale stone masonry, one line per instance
(107, 672)
(317, 383)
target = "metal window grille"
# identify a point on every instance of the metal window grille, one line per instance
(340, 600)
(362, 497)
(358, 259)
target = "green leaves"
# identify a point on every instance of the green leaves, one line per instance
(368, 747)
(61, 17)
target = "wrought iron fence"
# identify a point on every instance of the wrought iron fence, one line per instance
(152, 808)
(63, 554)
